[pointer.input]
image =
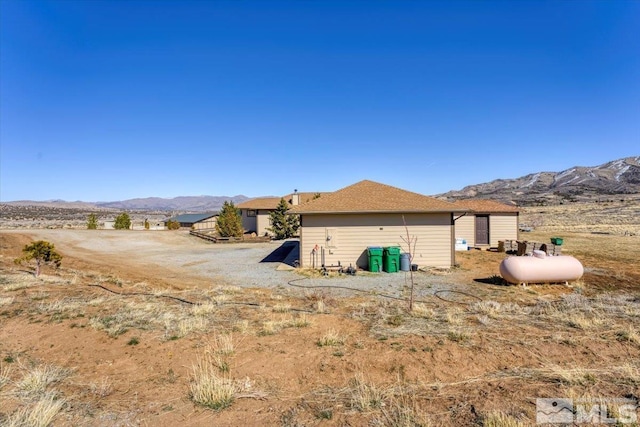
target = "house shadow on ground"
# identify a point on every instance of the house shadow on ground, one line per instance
(287, 253)
(493, 280)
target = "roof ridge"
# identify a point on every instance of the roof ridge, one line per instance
(371, 196)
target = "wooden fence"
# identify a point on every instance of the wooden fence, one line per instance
(520, 248)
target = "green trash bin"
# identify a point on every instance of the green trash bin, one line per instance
(391, 259)
(375, 258)
(557, 241)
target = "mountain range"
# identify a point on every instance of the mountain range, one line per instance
(579, 183)
(175, 204)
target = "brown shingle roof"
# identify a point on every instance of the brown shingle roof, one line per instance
(484, 205)
(304, 197)
(369, 196)
(260, 203)
(272, 202)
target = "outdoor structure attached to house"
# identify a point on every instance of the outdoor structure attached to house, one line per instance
(489, 222)
(367, 213)
(255, 212)
(199, 221)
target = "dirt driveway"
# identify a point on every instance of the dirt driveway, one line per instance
(180, 261)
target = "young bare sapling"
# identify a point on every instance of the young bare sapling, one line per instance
(410, 242)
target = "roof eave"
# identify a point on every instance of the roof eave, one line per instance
(406, 211)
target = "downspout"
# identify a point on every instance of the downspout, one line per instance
(453, 236)
(455, 219)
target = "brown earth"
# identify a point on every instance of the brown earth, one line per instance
(457, 359)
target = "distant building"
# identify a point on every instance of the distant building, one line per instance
(255, 212)
(200, 221)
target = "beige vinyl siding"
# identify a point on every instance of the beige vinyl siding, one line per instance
(248, 222)
(466, 228)
(351, 234)
(205, 225)
(262, 222)
(503, 226)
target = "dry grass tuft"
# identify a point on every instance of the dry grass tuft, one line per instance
(627, 373)
(500, 419)
(331, 338)
(282, 308)
(205, 309)
(192, 324)
(403, 411)
(483, 319)
(422, 311)
(101, 389)
(6, 301)
(36, 381)
(630, 334)
(454, 316)
(570, 376)
(17, 282)
(300, 321)
(39, 414)
(270, 327)
(223, 344)
(97, 301)
(364, 396)
(5, 375)
(208, 388)
(241, 326)
(487, 308)
(459, 336)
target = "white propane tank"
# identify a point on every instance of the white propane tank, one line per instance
(541, 268)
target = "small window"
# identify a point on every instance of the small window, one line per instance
(251, 212)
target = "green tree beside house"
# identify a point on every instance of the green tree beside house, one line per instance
(229, 222)
(283, 224)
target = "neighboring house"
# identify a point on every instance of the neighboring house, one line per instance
(200, 221)
(367, 213)
(255, 212)
(489, 222)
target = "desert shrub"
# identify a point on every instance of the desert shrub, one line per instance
(42, 252)
(92, 222)
(173, 225)
(123, 222)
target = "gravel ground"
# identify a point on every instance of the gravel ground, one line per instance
(234, 264)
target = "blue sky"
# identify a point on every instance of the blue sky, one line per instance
(109, 100)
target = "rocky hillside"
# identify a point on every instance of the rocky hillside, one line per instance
(617, 178)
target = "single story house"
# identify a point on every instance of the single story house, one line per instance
(198, 221)
(255, 212)
(487, 223)
(346, 222)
